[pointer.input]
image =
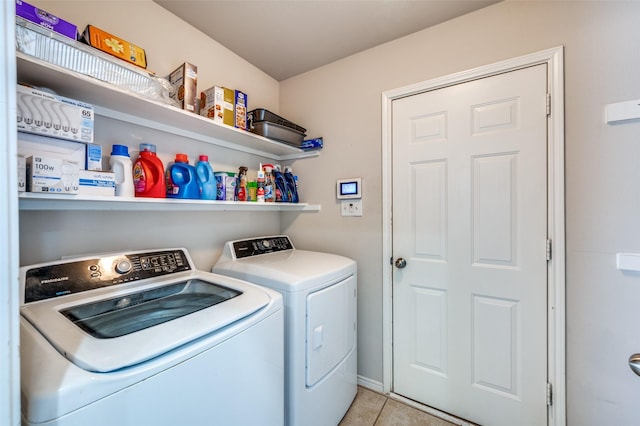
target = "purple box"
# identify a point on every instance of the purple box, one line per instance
(45, 19)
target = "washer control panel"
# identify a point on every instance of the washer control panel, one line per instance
(74, 276)
(263, 245)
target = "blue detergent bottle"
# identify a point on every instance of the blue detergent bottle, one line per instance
(181, 179)
(206, 179)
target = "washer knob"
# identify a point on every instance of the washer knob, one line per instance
(266, 243)
(123, 266)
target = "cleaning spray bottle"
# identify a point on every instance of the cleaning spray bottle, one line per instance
(260, 181)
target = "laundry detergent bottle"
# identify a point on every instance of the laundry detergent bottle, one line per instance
(206, 178)
(181, 179)
(148, 173)
(120, 163)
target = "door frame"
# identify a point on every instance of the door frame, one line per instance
(556, 311)
(9, 218)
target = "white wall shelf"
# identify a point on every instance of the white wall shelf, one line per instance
(36, 201)
(114, 102)
(119, 104)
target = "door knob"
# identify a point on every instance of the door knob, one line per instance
(634, 363)
(401, 263)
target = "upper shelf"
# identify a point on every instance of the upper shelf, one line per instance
(114, 102)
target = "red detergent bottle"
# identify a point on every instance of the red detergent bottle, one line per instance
(148, 173)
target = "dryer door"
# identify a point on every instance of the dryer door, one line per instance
(331, 328)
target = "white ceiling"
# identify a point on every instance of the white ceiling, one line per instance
(285, 38)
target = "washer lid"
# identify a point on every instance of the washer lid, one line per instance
(290, 270)
(117, 329)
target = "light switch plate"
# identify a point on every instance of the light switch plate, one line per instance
(351, 207)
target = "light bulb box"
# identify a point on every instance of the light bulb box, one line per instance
(52, 175)
(44, 113)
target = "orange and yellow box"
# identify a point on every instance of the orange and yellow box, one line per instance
(115, 46)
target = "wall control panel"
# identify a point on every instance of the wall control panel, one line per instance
(348, 189)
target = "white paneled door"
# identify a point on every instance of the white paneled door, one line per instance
(470, 221)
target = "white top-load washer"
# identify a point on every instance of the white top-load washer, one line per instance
(143, 338)
(319, 292)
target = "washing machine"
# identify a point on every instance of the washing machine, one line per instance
(320, 293)
(143, 338)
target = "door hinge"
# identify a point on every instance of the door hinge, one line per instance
(549, 394)
(548, 104)
(549, 249)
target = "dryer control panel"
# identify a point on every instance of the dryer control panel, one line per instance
(74, 276)
(263, 245)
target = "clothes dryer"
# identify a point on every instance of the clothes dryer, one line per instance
(320, 291)
(143, 338)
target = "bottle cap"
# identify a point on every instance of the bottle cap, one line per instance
(120, 150)
(203, 158)
(147, 147)
(182, 158)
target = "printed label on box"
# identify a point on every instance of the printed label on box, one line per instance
(241, 110)
(46, 114)
(114, 46)
(46, 19)
(97, 183)
(52, 175)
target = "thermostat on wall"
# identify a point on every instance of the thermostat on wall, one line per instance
(349, 188)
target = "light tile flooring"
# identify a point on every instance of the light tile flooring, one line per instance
(373, 409)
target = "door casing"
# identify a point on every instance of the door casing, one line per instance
(556, 223)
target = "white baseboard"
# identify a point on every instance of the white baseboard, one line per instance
(373, 385)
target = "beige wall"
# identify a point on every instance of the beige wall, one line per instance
(342, 103)
(168, 42)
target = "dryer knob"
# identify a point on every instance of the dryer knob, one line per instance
(123, 266)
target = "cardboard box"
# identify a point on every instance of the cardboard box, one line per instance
(228, 101)
(47, 114)
(52, 175)
(22, 173)
(184, 80)
(217, 103)
(46, 19)
(93, 160)
(97, 183)
(240, 108)
(115, 46)
(29, 144)
(208, 102)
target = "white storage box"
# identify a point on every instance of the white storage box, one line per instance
(29, 144)
(52, 175)
(97, 183)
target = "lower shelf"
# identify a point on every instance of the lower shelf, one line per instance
(35, 201)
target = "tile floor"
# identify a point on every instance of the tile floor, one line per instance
(373, 409)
